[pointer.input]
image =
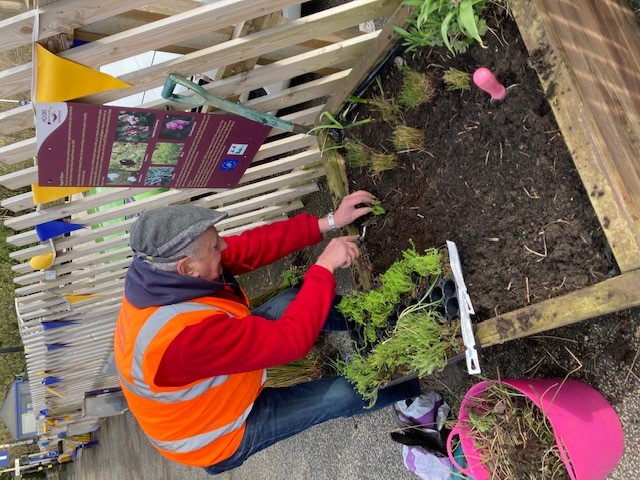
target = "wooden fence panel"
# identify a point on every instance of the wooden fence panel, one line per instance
(324, 47)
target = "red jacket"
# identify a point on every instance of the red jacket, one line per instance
(222, 345)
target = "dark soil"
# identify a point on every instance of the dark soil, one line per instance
(497, 180)
(500, 182)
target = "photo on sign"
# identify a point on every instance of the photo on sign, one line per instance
(166, 153)
(176, 127)
(125, 163)
(159, 176)
(134, 126)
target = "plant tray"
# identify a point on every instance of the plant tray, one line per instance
(452, 303)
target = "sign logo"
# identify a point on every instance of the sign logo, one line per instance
(229, 164)
(237, 148)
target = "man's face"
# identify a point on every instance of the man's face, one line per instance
(207, 262)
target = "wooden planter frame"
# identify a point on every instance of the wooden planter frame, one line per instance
(591, 76)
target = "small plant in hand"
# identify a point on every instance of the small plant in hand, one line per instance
(419, 341)
(513, 436)
(453, 23)
(417, 89)
(406, 138)
(456, 79)
(377, 208)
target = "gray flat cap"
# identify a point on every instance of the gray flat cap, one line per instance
(162, 232)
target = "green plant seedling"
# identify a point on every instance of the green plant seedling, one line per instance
(377, 207)
(456, 79)
(417, 89)
(453, 23)
(381, 162)
(407, 138)
(358, 154)
(387, 108)
(333, 123)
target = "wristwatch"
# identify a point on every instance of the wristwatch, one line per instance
(332, 222)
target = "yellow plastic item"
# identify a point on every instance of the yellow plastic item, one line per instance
(41, 262)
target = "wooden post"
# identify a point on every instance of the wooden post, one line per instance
(587, 55)
(609, 296)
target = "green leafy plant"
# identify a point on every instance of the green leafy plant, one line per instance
(453, 23)
(513, 436)
(329, 122)
(377, 207)
(456, 79)
(417, 89)
(333, 123)
(387, 108)
(407, 138)
(372, 309)
(289, 278)
(420, 341)
(418, 344)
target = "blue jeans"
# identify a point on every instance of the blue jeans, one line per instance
(279, 413)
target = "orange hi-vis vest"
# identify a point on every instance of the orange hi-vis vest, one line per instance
(199, 424)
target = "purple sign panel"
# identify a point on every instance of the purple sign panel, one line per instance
(92, 145)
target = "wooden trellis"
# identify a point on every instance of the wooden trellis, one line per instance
(250, 45)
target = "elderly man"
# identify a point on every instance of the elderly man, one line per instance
(191, 355)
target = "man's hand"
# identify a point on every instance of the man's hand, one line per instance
(339, 253)
(348, 211)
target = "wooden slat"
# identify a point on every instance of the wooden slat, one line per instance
(213, 201)
(77, 276)
(344, 52)
(267, 150)
(609, 296)
(264, 200)
(385, 41)
(289, 97)
(147, 37)
(60, 211)
(590, 71)
(34, 282)
(61, 17)
(250, 46)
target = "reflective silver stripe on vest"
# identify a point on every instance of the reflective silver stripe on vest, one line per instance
(147, 333)
(196, 442)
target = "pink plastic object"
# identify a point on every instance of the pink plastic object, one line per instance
(586, 428)
(486, 81)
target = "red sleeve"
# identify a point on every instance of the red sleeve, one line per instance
(264, 245)
(221, 345)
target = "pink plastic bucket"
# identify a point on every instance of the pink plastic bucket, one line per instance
(586, 428)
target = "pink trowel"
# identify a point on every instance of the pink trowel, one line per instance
(486, 80)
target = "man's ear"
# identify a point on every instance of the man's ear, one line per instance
(184, 267)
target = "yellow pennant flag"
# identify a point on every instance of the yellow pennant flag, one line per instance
(59, 79)
(49, 194)
(80, 297)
